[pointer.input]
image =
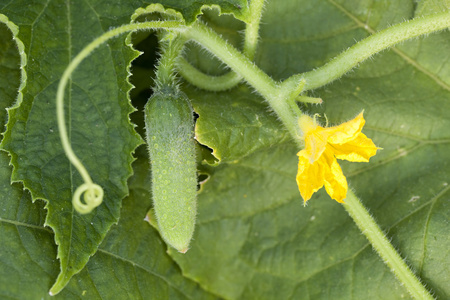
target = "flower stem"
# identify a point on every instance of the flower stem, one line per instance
(384, 248)
(372, 45)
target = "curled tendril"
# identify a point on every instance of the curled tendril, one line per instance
(93, 197)
(93, 193)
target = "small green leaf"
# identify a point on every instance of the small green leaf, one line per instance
(242, 127)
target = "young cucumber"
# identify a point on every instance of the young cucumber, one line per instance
(169, 126)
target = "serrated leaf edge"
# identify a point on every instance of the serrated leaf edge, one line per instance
(23, 82)
(23, 74)
(152, 8)
(133, 55)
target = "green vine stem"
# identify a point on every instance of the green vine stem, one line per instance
(252, 28)
(240, 64)
(373, 44)
(384, 248)
(207, 38)
(278, 96)
(93, 193)
(230, 79)
(204, 81)
(171, 45)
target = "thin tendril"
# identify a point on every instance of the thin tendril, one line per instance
(93, 193)
(316, 115)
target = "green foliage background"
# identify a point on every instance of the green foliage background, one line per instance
(254, 239)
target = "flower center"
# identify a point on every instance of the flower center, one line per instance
(306, 124)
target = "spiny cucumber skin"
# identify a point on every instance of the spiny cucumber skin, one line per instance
(170, 138)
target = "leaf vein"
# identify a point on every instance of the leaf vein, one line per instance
(32, 226)
(426, 225)
(310, 38)
(394, 49)
(115, 256)
(93, 283)
(253, 213)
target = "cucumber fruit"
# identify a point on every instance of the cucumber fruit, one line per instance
(169, 123)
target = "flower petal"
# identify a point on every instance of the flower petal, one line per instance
(346, 131)
(315, 143)
(359, 149)
(310, 177)
(335, 181)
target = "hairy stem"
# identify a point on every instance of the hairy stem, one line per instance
(372, 45)
(230, 79)
(252, 28)
(277, 96)
(205, 81)
(94, 193)
(384, 248)
(170, 51)
(238, 62)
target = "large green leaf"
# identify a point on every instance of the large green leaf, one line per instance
(130, 264)
(27, 249)
(190, 9)
(53, 32)
(9, 69)
(97, 111)
(252, 226)
(425, 7)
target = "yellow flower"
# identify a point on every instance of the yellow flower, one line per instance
(317, 164)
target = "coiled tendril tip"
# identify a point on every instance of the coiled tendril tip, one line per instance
(93, 197)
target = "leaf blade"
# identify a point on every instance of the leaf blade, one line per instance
(251, 221)
(42, 166)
